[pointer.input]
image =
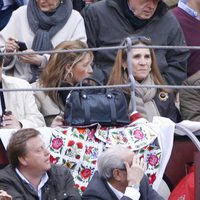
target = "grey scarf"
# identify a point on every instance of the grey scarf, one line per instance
(46, 26)
(145, 104)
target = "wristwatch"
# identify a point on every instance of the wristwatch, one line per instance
(135, 186)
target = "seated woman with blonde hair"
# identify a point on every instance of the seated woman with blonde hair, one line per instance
(149, 101)
(63, 70)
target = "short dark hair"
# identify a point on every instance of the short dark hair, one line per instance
(17, 144)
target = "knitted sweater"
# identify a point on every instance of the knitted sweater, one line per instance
(191, 29)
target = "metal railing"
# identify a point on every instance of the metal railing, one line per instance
(132, 84)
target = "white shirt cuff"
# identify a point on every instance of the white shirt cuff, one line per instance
(132, 193)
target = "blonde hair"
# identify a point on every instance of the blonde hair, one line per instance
(55, 72)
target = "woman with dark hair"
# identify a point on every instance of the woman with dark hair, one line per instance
(41, 25)
(149, 101)
(62, 70)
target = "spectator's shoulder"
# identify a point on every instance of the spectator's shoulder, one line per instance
(170, 18)
(59, 170)
(75, 14)
(20, 10)
(15, 82)
(95, 7)
(193, 80)
(6, 172)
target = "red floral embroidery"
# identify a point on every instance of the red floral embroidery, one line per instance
(78, 156)
(91, 135)
(79, 145)
(94, 162)
(53, 160)
(153, 160)
(65, 132)
(138, 134)
(85, 173)
(81, 130)
(76, 185)
(83, 188)
(71, 143)
(57, 143)
(88, 150)
(152, 178)
(125, 139)
(149, 148)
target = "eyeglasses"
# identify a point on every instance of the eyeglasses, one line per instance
(142, 39)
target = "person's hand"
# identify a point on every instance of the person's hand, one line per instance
(35, 59)
(11, 122)
(58, 121)
(4, 195)
(11, 45)
(135, 172)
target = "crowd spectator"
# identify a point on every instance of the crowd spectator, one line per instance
(188, 14)
(189, 99)
(62, 70)
(120, 175)
(109, 22)
(149, 101)
(41, 26)
(6, 9)
(18, 108)
(30, 174)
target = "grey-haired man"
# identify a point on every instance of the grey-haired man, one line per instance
(120, 176)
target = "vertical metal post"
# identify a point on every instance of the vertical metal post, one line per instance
(130, 74)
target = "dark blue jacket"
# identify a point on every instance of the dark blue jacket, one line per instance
(98, 189)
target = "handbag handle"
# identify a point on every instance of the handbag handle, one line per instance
(90, 79)
(81, 84)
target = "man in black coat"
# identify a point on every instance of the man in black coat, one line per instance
(120, 176)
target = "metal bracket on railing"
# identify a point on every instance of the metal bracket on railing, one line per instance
(130, 74)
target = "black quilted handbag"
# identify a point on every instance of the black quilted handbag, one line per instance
(107, 107)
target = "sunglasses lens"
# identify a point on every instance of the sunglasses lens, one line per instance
(144, 39)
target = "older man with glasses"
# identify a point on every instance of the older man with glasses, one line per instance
(120, 176)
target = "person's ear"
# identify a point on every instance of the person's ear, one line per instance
(117, 174)
(22, 160)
